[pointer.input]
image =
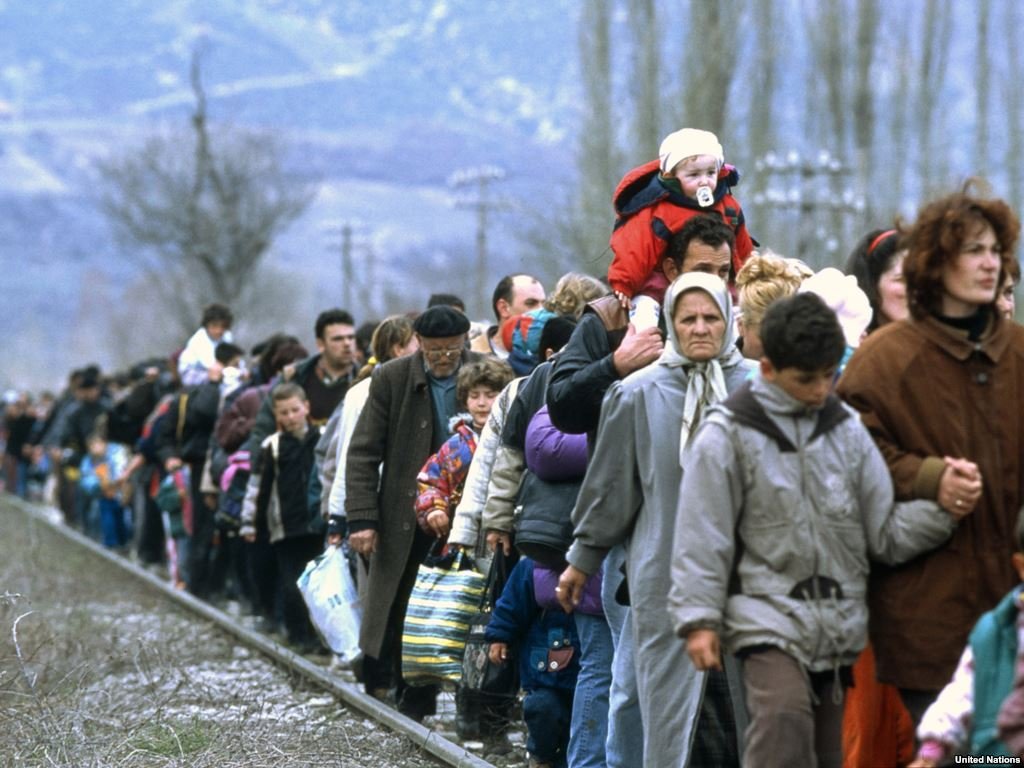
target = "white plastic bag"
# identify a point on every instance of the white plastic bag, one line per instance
(330, 594)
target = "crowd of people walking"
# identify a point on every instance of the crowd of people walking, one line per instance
(732, 511)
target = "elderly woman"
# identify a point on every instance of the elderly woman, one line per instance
(941, 395)
(629, 497)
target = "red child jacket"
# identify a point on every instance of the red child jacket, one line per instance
(648, 214)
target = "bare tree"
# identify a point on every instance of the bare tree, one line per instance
(647, 107)
(1014, 96)
(706, 66)
(868, 22)
(202, 211)
(937, 21)
(984, 79)
(598, 157)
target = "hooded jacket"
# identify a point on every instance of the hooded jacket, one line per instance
(647, 215)
(792, 502)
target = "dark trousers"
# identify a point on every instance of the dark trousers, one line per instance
(482, 715)
(292, 554)
(547, 713)
(385, 671)
(206, 575)
(794, 719)
(261, 565)
(147, 527)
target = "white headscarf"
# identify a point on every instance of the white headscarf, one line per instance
(705, 380)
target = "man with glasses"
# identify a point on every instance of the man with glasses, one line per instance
(405, 421)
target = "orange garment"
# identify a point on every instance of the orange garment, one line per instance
(877, 729)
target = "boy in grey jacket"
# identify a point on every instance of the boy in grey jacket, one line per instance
(784, 497)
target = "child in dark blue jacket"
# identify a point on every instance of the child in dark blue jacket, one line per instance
(528, 617)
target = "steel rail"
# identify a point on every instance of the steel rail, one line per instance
(351, 694)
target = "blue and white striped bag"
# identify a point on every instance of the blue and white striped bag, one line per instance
(447, 594)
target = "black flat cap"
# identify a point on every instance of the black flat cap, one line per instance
(438, 322)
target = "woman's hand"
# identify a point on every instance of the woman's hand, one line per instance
(959, 487)
(570, 588)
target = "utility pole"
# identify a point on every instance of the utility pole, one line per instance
(347, 273)
(480, 200)
(351, 286)
(816, 196)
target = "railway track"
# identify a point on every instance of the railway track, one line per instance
(350, 694)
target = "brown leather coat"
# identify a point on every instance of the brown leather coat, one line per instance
(924, 392)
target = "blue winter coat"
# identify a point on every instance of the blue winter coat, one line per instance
(538, 635)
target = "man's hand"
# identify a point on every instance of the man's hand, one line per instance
(437, 522)
(570, 588)
(494, 538)
(498, 653)
(172, 464)
(363, 542)
(703, 648)
(959, 487)
(638, 349)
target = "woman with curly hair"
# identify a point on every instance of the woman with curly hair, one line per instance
(940, 393)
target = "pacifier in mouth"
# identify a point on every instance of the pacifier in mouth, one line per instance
(705, 197)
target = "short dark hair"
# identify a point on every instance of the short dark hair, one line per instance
(556, 333)
(800, 331)
(446, 299)
(710, 230)
(217, 313)
(1019, 540)
(505, 290)
(287, 390)
(488, 372)
(332, 317)
(226, 352)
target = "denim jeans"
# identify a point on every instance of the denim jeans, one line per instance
(625, 725)
(547, 712)
(590, 706)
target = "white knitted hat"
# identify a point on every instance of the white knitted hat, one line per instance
(689, 142)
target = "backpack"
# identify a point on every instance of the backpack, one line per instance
(544, 519)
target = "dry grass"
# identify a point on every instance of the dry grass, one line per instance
(97, 671)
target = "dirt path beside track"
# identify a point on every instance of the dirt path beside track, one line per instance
(98, 670)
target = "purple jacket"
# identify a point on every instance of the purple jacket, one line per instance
(554, 456)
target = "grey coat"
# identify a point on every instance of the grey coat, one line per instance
(792, 502)
(629, 496)
(393, 438)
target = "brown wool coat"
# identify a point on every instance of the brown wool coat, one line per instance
(924, 391)
(395, 430)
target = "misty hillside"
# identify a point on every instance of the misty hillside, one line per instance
(381, 101)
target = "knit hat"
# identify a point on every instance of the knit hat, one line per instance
(844, 297)
(521, 336)
(440, 322)
(689, 142)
